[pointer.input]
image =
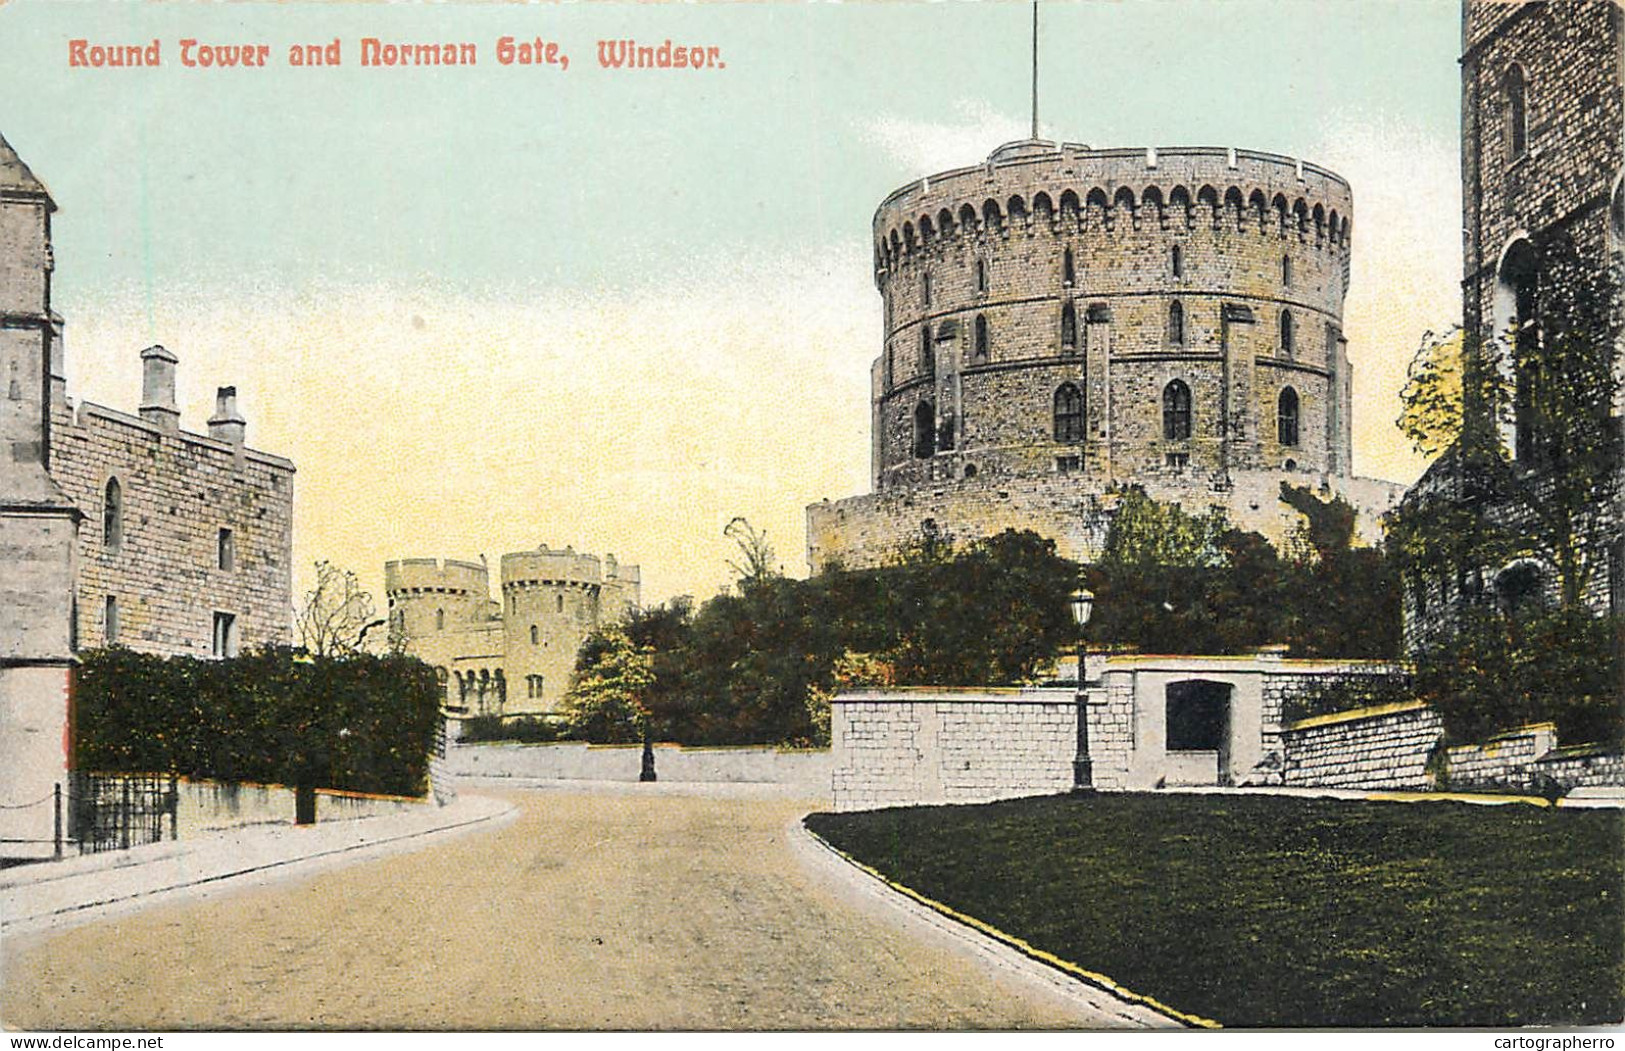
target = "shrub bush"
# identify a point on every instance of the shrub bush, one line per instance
(357, 723)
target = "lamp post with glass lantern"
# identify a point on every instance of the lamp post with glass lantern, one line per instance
(1083, 604)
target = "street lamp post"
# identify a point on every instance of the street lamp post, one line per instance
(648, 771)
(1083, 779)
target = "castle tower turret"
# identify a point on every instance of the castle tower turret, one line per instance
(552, 600)
(442, 612)
(38, 523)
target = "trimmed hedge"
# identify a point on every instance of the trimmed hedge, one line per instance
(274, 716)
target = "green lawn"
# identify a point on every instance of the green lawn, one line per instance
(1276, 911)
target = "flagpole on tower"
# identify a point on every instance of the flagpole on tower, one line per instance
(1035, 69)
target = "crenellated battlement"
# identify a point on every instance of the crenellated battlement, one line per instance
(1036, 187)
(417, 576)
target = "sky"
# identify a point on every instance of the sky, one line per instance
(488, 307)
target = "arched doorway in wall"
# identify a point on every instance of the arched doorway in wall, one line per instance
(1198, 732)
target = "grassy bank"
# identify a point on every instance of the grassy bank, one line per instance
(1278, 911)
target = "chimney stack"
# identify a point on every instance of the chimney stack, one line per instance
(227, 424)
(158, 389)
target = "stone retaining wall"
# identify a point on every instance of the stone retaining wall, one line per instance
(577, 761)
(1381, 747)
(906, 747)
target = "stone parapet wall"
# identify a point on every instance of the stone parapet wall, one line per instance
(907, 747)
(577, 761)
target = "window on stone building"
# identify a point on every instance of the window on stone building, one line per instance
(559, 599)
(1286, 333)
(225, 635)
(113, 515)
(110, 616)
(981, 275)
(1521, 587)
(946, 435)
(1176, 411)
(1176, 323)
(1517, 301)
(982, 339)
(1517, 112)
(225, 550)
(1286, 271)
(1176, 461)
(440, 620)
(925, 289)
(1068, 464)
(1069, 327)
(1068, 414)
(928, 352)
(1286, 417)
(535, 635)
(1178, 261)
(925, 429)
(1069, 270)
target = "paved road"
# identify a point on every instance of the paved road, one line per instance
(589, 911)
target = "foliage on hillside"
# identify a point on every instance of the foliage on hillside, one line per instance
(1171, 582)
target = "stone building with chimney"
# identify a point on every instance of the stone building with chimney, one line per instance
(115, 528)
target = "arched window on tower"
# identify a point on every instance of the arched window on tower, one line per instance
(1286, 271)
(1068, 414)
(1176, 323)
(1069, 327)
(928, 352)
(113, 515)
(440, 620)
(535, 635)
(1178, 261)
(925, 288)
(981, 275)
(1069, 270)
(1517, 91)
(1517, 302)
(1286, 417)
(925, 430)
(1176, 411)
(1286, 333)
(983, 341)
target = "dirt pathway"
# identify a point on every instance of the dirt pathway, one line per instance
(588, 912)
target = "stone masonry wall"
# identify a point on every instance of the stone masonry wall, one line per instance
(179, 490)
(905, 748)
(1385, 747)
(1074, 511)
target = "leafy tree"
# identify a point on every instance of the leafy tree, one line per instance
(757, 561)
(1171, 582)
(608, 697)
(337, 613)
(992, 614)
(1503, 671)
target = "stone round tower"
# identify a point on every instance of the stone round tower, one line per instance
(1063, 321)
(1113, 312)
(551, 601)
(434, 607)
